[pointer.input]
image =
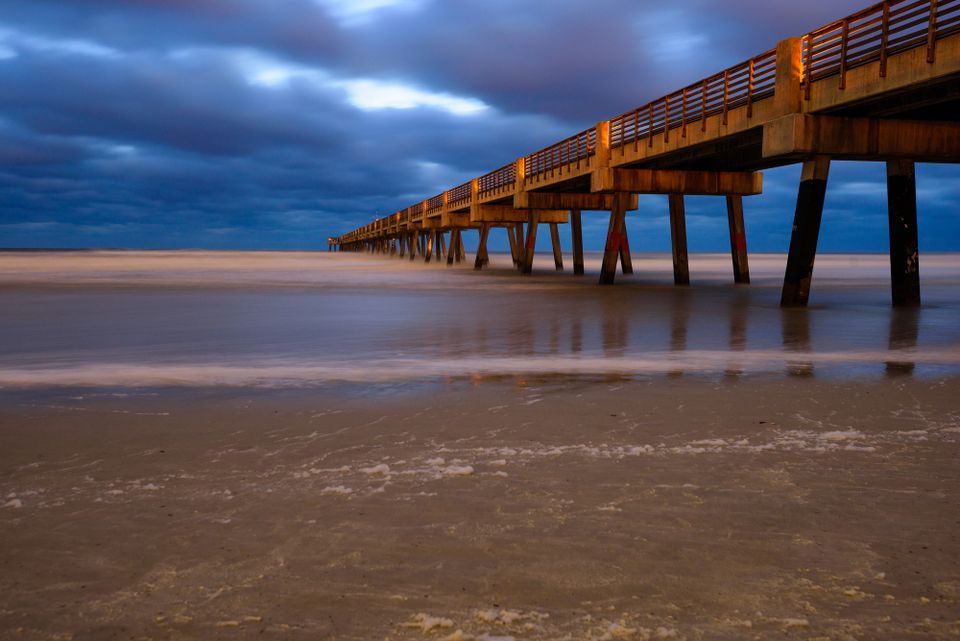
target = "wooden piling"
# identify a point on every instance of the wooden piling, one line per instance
(904, 248)
(428, 252)
(806, 231)
(454, 247)
(678, 238)
(738, 240)
(521, 248)
(513, 245)
(557, 253)
(626, 261)
(530, 243)
(576, 231)
(615, 229)
(483, 258)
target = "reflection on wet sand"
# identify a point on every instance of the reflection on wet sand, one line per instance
(354, 321)
(904, 330)
(795, 329)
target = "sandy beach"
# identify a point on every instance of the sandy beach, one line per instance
(223, 446)
(674, 509)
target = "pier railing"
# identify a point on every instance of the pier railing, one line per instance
(872, 34)
(501, 178)
(575, 149)
(875, 33)
(742, 84)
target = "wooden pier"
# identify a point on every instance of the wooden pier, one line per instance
(882, 84)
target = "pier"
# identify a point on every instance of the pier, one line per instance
(881, 85)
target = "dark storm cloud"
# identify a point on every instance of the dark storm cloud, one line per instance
(234, 123)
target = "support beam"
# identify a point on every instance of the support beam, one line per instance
(531, 242)
(576, 230)
(676, 181)
(626, 261)
(428, 253)
(442, 244)
(483, 259)
(615, 230)
(678, 238)
(567, 200)
(738, 240)
(513, 245)
(804, 135)
(806, 231)
(904, 248)
(454, 248)
(557, 254)
(521, 251)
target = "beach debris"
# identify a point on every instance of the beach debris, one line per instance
(337, 490)
(458, 470)
(382, 470)
(426, 623)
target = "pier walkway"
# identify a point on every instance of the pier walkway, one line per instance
(882, 84)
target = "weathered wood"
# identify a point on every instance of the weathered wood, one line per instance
(557, 253)
(531, 242)
(482, 259)
(521, 249)
(806, 231)
(505, 214)
(576, 231)
(439, 244)
(738, 240)
(513, 245)
(428, 252)
(626, 260)
(678, 239)
(615, 230)
(461, 250)
(676, 181)
(567, 200)
(802, 135)
(904, 248)
(454, 247)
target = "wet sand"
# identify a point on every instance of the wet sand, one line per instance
(669, 507)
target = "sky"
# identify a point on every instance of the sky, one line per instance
(272, 124)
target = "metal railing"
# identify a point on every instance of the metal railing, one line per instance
(435, 203)
(875, 33)
(742, 84)
(460, 195)
(506, 176)
(575, 149)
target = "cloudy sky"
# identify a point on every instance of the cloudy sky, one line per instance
(275, 123)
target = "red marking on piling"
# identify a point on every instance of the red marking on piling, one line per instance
(613, 241)
(740, 242)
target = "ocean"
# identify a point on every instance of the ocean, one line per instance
(132, 318)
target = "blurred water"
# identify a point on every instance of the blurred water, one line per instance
(156, 318)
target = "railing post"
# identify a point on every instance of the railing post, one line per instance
(787, 97)
(844, 44)
(521, 174)
(666, 119)
(750, 90)
(726, 93)
(884, 38)
(932, 32)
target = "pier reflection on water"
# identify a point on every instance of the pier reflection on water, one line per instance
(351, 318)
